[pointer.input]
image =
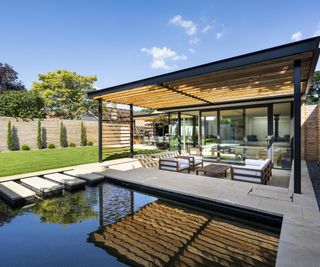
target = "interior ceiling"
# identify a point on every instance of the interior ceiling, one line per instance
(265, 79)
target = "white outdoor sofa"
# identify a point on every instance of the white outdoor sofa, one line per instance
(254, 171)
(174, 164)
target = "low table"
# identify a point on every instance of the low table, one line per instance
(214, 169)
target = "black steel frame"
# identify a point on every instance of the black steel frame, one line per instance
(100, 130)
(297, 127)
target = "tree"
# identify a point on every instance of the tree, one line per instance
(83, 137)
(9, 79)
(63, 136)
(21, 104)
(39, 136)
(65, 93)
(10, 138)
(314, 91)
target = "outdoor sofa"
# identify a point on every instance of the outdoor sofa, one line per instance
(174, 164)
(254, 171)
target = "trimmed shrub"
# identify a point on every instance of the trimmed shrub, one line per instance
(25, 147)
(39, 137)
(83, 137)
(72, 145)
(90, 143)
(10, 138)
(63, 136)
(163, 146)
(51, 146)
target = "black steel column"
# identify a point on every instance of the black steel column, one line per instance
(169, 133)
(200, 131)
(270, 119)
(179, 132)
(297, 126)
(218, 135)
(100, 130)
(131, 130)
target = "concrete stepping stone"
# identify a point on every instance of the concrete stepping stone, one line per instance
(90, 178)
(69, 183)
(43, 188)
(16, 194)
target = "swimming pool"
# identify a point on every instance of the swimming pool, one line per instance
(109, 225)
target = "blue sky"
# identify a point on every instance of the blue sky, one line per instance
(121, 41)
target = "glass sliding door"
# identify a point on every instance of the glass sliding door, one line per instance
(282, 135)
(256, 132)
(190, 131)
(209, 134)
(173, 131)
(232, 135)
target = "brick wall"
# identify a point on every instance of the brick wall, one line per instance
(27, 131)
(310, 132)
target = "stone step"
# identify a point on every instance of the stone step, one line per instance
(44, 188)
(16, 194)
(69, 183)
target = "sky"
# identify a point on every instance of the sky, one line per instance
(122, 41)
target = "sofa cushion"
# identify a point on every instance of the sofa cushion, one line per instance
(247, 179)
(246, 172)
(254, 162)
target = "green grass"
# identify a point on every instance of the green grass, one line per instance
(18, 162)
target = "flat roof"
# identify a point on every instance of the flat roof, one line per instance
(262, 74)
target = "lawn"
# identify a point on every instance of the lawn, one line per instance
(17, 162)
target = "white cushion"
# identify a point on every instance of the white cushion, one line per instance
(249, 179)
(246, 172)
(254, 162)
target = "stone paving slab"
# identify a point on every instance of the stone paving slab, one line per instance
(16, 194)
(42, 187)
(69, 183)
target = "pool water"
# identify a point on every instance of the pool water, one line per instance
(109, 225)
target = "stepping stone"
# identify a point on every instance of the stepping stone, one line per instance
(69, 183)
(44, 188)
(90, 178)
(16, 194)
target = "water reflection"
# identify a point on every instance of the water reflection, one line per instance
(165, 234)
(133, 228)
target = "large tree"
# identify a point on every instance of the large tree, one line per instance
(65, 93)
(9, 79)
(21, 104)
(314, 91)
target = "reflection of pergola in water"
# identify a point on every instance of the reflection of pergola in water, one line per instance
(162, 234)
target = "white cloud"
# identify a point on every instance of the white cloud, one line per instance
(206, 28)
(219, 35)
(317, 32)
(297, 36)
(191, 50)
(188, 25)
(161, 56)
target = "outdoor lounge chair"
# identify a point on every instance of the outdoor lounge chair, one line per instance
(193, 160)
(174, 164)
(254, 171)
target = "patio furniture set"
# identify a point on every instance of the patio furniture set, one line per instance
(254, 171)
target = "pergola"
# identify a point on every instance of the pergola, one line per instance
(278, 73)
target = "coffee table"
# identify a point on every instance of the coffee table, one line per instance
(214, 169)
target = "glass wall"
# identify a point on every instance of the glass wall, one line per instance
(209, 134)
(282, 135)
(234, 135)
(256, 132)
(231, 134)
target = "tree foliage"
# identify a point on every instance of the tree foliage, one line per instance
(22, 104)
(314, 91)
(9, 79)
(10, 138)
(65, 93)
(63, 136)
(39, 135)
(83, 137)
